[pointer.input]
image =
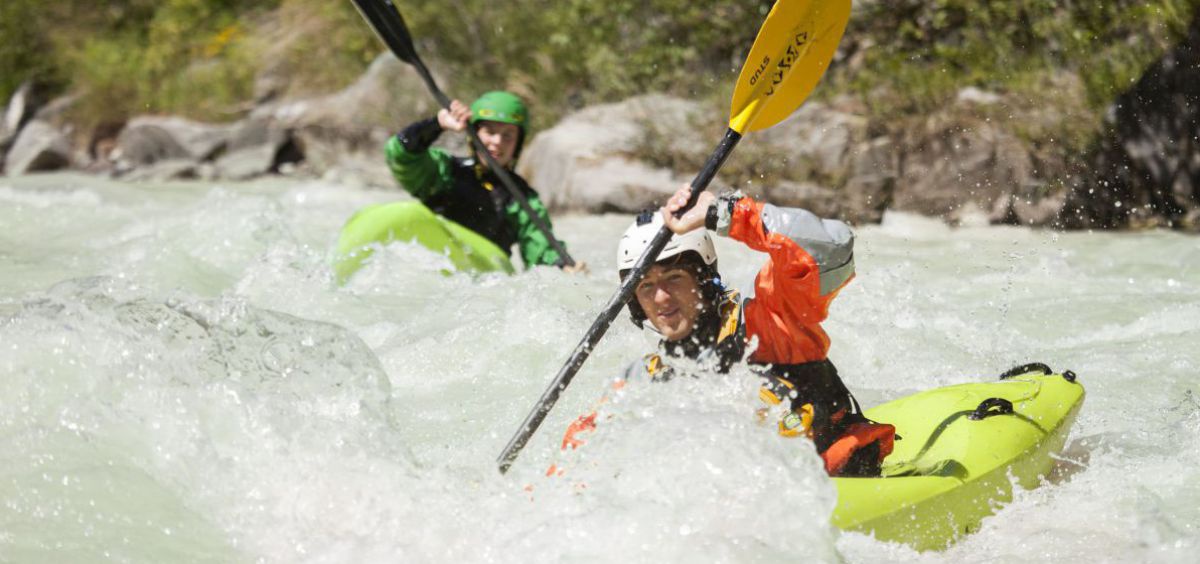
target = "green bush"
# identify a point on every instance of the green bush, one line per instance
(570, 53)
(185, 58)
(902, 57)
(314, 46)
(921, 52)
(23, 47)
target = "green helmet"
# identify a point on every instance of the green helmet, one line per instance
(504, 107)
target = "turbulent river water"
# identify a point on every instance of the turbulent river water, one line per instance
(180, 380)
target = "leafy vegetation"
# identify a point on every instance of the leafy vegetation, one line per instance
(202, 58)
(197, 58)
(918, 54)
(567, 54)
(22, 47)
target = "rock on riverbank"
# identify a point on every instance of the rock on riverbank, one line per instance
(957, 163)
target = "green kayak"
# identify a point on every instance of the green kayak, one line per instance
(962, 447)
(381, 224)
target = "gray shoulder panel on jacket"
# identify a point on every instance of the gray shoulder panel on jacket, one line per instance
(830, 242)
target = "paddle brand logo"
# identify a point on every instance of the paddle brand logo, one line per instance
(794, 50)
(758, 72)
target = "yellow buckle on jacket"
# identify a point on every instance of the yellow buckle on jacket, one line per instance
(797, 422)
(654, 365)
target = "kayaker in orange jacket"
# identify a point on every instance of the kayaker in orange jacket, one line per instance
(683, 299)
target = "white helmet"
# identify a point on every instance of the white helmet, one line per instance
(646, 226)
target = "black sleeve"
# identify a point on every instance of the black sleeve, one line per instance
(418, 136)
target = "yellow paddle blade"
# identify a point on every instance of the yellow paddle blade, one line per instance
(789, 56)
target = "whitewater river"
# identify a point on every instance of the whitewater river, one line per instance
(180, 381)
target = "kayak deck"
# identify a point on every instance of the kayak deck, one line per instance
(960, 445)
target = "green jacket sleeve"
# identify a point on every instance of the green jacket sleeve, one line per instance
(534, 246)
(422, 171)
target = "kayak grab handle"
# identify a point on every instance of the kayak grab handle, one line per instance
(1043, 368)
(990, 407)
(1026, 369)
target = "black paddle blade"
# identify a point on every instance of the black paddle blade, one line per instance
(389, 25)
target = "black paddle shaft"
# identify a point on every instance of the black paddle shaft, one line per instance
(389, 25)
(600, 326)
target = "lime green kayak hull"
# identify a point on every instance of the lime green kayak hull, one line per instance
(950, 471)
(381, 224)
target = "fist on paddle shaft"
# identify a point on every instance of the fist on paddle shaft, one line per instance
(694, 218)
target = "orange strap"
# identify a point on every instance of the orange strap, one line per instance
(858, 436)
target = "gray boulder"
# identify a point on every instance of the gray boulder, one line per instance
(952, 168)
(38, 147)
(21, 107)
(875, 165)
(356, 120)
(149, 139)
(320, 131)
(256, 147)
(810, 196)
(247, 163)
(587, 161)
(1032, 206)
(816, 141)
(389, 95)
(237, 151)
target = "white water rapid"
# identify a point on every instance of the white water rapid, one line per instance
(181, 381)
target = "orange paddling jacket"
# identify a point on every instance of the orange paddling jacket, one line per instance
(811, 260)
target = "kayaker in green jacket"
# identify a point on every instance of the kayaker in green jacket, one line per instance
(464, 190)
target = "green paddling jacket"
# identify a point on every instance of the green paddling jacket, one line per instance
(465, 191)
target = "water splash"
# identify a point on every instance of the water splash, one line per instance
(180, 380)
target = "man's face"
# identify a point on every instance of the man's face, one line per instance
(500, 140)
(671, 298)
